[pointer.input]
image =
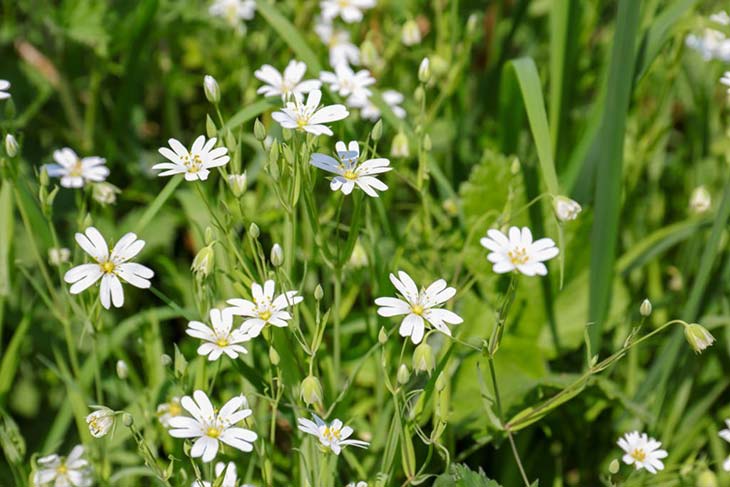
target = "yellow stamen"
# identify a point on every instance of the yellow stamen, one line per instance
(417, 309)
(213, 432)
(76, 170)
(62, 469)
(639, 454)
(175, 409)
(107, 267)
(265, 315)
(350, 174)
(222, 342)
(518, 256)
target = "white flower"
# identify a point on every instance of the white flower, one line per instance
(220, 338)
(310, 117)
(700, 201)
(411, 34)
(566, 209)
(74, 171)
(100, 422)
(229, 479)
(392, 98)
(359, 484)
(349, 84)
(349, 10)
(233, 11)
(238, 184)
(349, 173)
(288, 85)
(713, 44)
(721, 18)
(109, 267)
(168, 410)
(210, 426)
(698, 337)
(642, 451)
(58, 256)
(338, 42)
(105, 193)
(57, 471)
(195, 164)
(419, 306)
(4, 87)
(725, 80)
(725, 435)
(333, 436)
(264, 309)
(518, 252)
(399, 147)
(211, 89)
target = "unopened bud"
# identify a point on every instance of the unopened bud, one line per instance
(377, 131)
(204, 261)
(423, 360)
(43, 178)
(105, 193)
(400, 148)
(277, 255)
(403, 374)
(382, 336)
(441, 382)
(253, 231)
(58, 256)
(165, 359)
(698, 337)
(614, 467)
(645, 308)
(259, 131)
(127, 420)
(707, 479)
(237, 183)
(209, 235)
(212, 90)
(427, 146)
(368, 54)
(122, 369)
(311, 390)
(565, 208)
(274, 356)
(11, 146)
(318, 293)
(700, 201)
(424, 71)
(411, 34)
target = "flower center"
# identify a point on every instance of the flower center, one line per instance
(175, 409)
(193, 162)
(222, 342)
(331, 433)
(417, 309)
(213, 432)
(76, 170)
(343, 3)
(62, 469)
(265, 315)
(302, 121)
(349, 174)
(639, 454)
(107, 267)
(518, 256)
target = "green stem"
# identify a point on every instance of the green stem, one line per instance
(338, 298)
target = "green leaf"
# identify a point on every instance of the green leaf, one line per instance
(460, 475)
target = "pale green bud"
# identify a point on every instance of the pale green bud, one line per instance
(368, 54)
(566, 209)
(614, 467)
(441, 382)
(277, 255)
(439, 65)
(212, 90)
(274, 356)
(311, 390)
(645, 308)
(122, 369)
(204, 261)
(403, 374)
(700, 201)
(259, 131)
(127, 420)
(698, 337)
(411, 34)
(165, 359)
(382, 336)
(427, 142)
(424, 71)
(11, 146)
(423, 360)
(318, 293)
(399, 147)
(377, 130)
(254, 231)
(707, 478)
(43, 178)
(238, 184)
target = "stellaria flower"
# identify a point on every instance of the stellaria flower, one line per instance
(642, 451)
(265, 309)
(349, 10)
(338, 42)
(361, 483)
(100, 422)
(720, 17)
(211, 426)
(75, 171)
(350, 84)
(349, 172)
(725, 435)
(57, 471)
(168, 410)
(219, 338)
(234, 12)
(331, 436)
(196, 163)
(4, 87)
(700, 201)
(289, 84)
(712, 44)
(518, 252)
(392, 98)
(229, 479)
(109, 267)
(58, 255)
(566, 209)
(419, 306)
(310, 117)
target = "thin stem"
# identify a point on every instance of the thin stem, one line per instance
(338, 298)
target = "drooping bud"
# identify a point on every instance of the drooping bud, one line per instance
(377, 131)
(204, 261)
(212, 90)
(423, 360)
(645, 308)
(698, 337)
(105, 193)
(403, 374)
(165, 359)
(311, 390)
(237, 183)
(382, 336)
(411, 34)
(565, 208)
(100, 422)
(58, 256)
(277, 255)
(424, 71)
(122, 369)
(11, 146)
(399, 147)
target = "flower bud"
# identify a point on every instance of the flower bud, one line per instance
(204, 261)
(253, 231)
(614, 467)
(100, 422)
(565, 208)
(359, 257)
(259, 131)
(411, 34)
(427, 146)
(237, 183)
(377, 131)
(707, 478)
(11, 146)
(424, 71)
(700, 201)
(165, 359)
(441, 382)
(403, 374)
(43, 178)
(318, 293)
(212, 90)
(58, 256)
(277, 255)
(274, 357)
(368, 54)
(423, 360)
(645, 308)
(122, 369)
(105, 193)
(311, 390)
(127, 420)
(698, 337)
(209, 235)
(399, 147)
(382, 336)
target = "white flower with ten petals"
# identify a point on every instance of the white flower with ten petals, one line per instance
(331, 436)
(392, 98)
(518, 252)
(75, 171)
(350, 84)
(642, 451)
(56, 471)
(289, 84)
(219, 338)
(349, 173)
(419, 306)
(211, 426)
(349, 10)
(265, 309)
(229, 479)
(4, 87)
(338, 42)
(310, 117)
(725, 435)
(196, 163)
(109, 267)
